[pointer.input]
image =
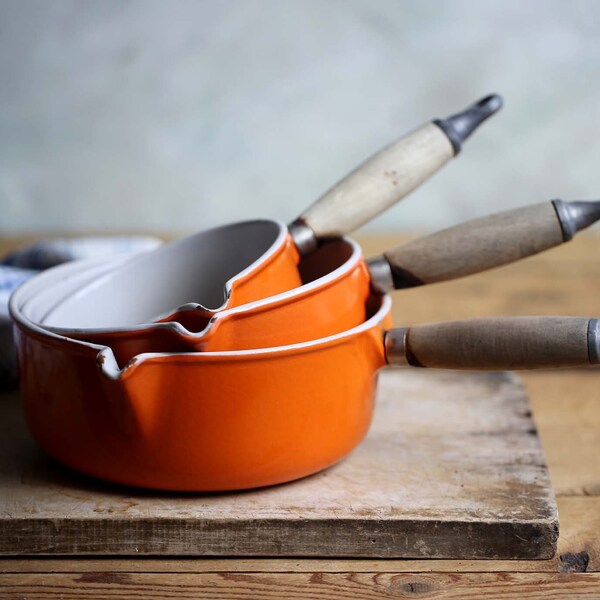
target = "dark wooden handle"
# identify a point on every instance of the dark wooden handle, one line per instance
(481, 244)
(497, 343)
(476, 245)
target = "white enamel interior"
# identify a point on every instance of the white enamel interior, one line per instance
(199, 268)
(323, 267)
(53, 286)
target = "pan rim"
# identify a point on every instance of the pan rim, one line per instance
(217, 316)
(107, 363)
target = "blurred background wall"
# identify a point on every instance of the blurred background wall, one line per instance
(177, 115)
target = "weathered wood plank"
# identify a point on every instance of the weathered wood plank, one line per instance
(452, 468)
(579, 525)
(325, 586)
(563, 281)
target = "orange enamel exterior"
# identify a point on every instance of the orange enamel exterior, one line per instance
(330, 309)
(201, 422)
(274, 274)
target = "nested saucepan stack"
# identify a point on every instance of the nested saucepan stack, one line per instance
(209, 421)
(128, 375)
(238, 419)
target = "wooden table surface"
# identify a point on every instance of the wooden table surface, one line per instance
(566, 407)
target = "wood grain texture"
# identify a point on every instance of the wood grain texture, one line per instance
(565, 280)
(579, 524)
(493, 343)
(379, 182)
(325, 586)
(475, 246)
(452, 468)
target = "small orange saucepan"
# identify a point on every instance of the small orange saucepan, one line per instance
(243, 419)
(243, 262)
(338, 283)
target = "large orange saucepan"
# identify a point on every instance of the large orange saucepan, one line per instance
(244, 262)
(243, 419)
(338, 283)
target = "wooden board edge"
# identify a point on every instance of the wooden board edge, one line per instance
(344, 538)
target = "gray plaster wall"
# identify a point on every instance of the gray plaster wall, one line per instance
(178, 115)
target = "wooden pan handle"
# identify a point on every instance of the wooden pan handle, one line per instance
(497, 343)
(481, 244)
(388, 176)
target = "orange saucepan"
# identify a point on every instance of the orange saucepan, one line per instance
(233, 420)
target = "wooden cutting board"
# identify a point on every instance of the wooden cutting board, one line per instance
(452, 468)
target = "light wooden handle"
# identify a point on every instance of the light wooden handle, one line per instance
(380, 182)
(482, 244)
(497, 343)
(388, 176)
